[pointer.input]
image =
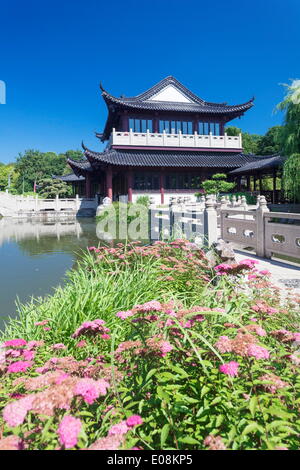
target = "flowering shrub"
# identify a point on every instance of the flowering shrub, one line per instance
(209, 362)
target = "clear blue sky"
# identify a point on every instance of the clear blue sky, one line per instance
(53, 55)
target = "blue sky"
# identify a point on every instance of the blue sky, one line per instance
(54, 54)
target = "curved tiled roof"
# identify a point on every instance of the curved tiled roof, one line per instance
(198, 105)
(70, 178)
(168, 158)
(261, 163)
(80, 167)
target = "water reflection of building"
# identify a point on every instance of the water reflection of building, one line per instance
(21, 229)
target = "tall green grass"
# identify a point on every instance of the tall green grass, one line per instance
(91, 291)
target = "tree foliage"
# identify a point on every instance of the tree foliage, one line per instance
(250, 141)
(291, 177)
(7, 176)
(290, 133)
(32, 166)
(269, 144)
(50, 188)
(217, 184)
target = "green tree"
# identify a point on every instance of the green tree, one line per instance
(33, 165)
(291, 177)
(269, 144)
(290, 134)
(74, 155)
(49, 188)
(7, 176)
(250, 141)
(217, 184)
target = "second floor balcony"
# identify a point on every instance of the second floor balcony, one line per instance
(163, 139)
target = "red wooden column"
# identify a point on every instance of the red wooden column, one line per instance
(109, 188)
(162, 186)
(129, 185)
(88, 186)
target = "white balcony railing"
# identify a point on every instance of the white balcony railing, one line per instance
(152, 139)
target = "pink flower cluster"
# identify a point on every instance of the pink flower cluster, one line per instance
(243, 345)
(125, 314)
(14, 413)
(15, 343)
(236, 268)
(124, 426)
(152, 306)
(11, 443)
(259, 352)
(19, 366)
(68, 431)
(223, 269)
(249, 263)
(272, 383)
(286, 336)
(262, 307)
(91, 389)
(214, 443)
(230, 368)
(91, 328)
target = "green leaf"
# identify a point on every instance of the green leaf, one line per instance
(179, 371)
(204, 390)
(162, 394)
(150, 373)
(274, 411)
(188, 440)
(219, 420)
(252, 427)
(253, 405)
(216, 400)
(164, 434)
(165, 376)
(277, 423)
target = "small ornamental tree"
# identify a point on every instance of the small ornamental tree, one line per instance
(217, 184)
(50, 188)
(291, 177)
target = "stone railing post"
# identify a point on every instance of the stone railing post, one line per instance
(77, 203)
(260, 227)
(223, 203)
(244, 204)
(210, 222)
(56, 203)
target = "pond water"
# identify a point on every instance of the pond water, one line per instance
(34, 257)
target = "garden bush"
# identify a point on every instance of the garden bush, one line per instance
(149, 347)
